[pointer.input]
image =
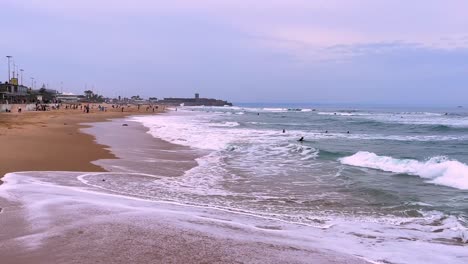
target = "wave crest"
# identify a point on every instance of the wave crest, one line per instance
(225, 124)
(439, 170)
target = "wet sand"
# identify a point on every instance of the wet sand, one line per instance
(69, 222)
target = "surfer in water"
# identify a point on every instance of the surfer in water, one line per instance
(301, 139)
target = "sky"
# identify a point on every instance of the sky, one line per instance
(291, 51)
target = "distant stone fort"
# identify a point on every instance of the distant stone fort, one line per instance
(196, 101)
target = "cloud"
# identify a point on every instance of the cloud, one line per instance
(318, 22)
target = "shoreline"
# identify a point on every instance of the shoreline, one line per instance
(46, 222)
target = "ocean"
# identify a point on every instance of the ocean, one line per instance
(388, 185)
(395, 177)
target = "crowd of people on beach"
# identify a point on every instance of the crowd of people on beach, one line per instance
(84, 107)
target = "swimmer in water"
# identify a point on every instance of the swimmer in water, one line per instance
(284, 130)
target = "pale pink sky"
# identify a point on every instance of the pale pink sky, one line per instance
(302, 43)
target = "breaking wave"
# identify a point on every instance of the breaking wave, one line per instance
(226, 124)
(439, 170)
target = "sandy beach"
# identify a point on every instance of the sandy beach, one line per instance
(42, 218)
(42, 141)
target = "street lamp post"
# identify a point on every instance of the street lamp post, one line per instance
(14, 68)
(9, 57)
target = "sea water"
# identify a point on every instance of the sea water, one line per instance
(387, 185)
(381, 175)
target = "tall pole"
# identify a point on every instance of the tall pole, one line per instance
(14, 66)
(32, 83)
(21, 70)
(9, 57)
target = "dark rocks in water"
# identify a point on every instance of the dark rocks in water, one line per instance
(125, 125)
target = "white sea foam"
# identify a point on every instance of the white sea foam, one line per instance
(184, 129)
(260, 151)
(275, 109)
(337, 113)
(306, 152)
(439, 170)
(271, 153)
(225, 124)
(204, 179)
(421, 113)
(191, 130)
